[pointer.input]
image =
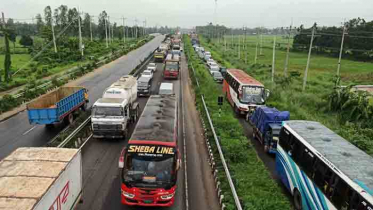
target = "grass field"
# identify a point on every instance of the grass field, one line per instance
(313, 104)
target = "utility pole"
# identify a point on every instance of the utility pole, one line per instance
(225, 43)
(109, 29)
(341, 50)
(309, 58)
(112, 33)
(232, 38)
(136, 28)
(239, 47)
(54, 38)
(261, 41)
(90, 27)
(107, 43)
(7, 61)
(80, 36)
(256, 52)
(287, 52)
(273, 58)
(124, 30)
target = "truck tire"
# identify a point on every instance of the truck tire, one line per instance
(49, 126)
(69, 119)
(84, 107)
(236, 110)
(297, 197)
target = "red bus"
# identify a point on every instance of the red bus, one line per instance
(171, 66)
(243, 92)
(150, 162)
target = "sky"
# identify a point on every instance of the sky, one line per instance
(189, 13)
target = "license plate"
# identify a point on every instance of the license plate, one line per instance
(148, 201)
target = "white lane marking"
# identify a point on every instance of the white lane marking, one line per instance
(184, 142)
(29, 130)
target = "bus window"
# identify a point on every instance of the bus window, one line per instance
(307, 162)
(340, 193)
(284, 139)
(318, 176)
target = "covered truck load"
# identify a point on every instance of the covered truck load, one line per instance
(266, 123)
(57, 106)
(41, 179)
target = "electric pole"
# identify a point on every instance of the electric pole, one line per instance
(54, 38)
(239, 47)
(7, 61)
(225, 43)
(287, 52)
(80, 36)
(124, 30)
(274, 58)
(309, 58)
(261, 41)
(232, 38)
(107, 43)
(90, 27)
(109, 29)
(341, 50)
(256, 52)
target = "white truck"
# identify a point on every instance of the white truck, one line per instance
(40, 179)
(117, 108)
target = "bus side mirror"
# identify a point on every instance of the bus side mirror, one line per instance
(178, 164)
(121, 158)
(267, 92)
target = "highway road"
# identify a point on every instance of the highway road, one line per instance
(17, 132)
(101, 183)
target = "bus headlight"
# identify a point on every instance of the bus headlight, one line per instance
(167, 197)
(128, 195)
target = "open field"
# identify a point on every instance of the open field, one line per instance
(286, 94)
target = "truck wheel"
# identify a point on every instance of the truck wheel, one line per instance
(69, 119)
(297, 200)
(49, 126)
(84, 107)
(254, 137)
(236, 110)
(266, 148)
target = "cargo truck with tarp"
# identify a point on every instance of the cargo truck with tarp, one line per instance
(266, 123)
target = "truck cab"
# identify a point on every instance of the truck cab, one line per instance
(110, 117)
(117, 108)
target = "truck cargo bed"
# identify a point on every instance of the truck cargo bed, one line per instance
(54, 106)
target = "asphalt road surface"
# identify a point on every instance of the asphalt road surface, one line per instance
(17, 132)
(101, 183)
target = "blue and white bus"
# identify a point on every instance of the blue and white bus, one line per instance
(322, 170)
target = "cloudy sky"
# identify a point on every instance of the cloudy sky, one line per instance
(189, 13)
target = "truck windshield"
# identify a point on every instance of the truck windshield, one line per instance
(107, 111)
(172, 66)
(153, 172)
(253, 94)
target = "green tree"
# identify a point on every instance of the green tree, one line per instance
(86, 25)
(101, 24)
(39, 23)
(26, 41)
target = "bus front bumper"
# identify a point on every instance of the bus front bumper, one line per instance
(147, 197)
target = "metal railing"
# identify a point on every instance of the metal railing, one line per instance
(221, 155)
(76, 131)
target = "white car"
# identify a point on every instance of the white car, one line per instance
(147, 73)
(152, 67)
(210, 62)
(214, 67)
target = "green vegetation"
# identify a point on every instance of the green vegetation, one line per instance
(314, 103)
(32, 91)
(256, 189)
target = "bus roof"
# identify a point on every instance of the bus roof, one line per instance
(158, 122)
(244, 78)
(348, 159)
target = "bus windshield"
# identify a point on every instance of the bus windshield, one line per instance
(153, 172)
(253, 94)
